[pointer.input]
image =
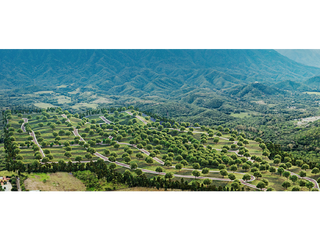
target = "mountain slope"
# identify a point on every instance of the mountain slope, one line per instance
(313, 83)
(291, 86)
(310, 57)
(143, 72)
(254, 90)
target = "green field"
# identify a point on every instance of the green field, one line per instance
(44, 105)
(315, 93)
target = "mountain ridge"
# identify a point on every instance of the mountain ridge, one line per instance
(156, 70)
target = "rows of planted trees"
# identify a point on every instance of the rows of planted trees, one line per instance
(209, 152)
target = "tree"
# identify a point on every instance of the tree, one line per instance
(309, 185)
(286, 184)
(231, 176)
(127, 159)
(288, 165)
(286, 174)
(139, 155)
(246, 177)
(133, 165)
(305, 166)
(168, 163)
(149, 160)
(207, 181)
(245, 166)
(138, 172)
(315, 170)
(78, 158)
(149, 147)
(302, 183)
(261, 185)
(169, 175)
(299, 162)
(223, 173)
(129, 151)
(112, 166)
(196, 173)
(178, 166)
(233, 168)
(88, 156)
(68, 154)
(266, 153)
(205, 171)
(159, 169)
(235, 185)
(257, 174)
(196, 166)
(280, 170)
(266, 182)
(272, 169)
(106, 152)
(302, 174)
(91, 150)
(216, 140)
(294, 178)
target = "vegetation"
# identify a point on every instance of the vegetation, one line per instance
(198, 118)
(178, 151)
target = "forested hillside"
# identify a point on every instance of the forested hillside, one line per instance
(139, 72)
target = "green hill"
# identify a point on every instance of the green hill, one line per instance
(290, 85)
(313, 83)
(254, 90)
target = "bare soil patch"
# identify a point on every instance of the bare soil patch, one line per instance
(59, 181)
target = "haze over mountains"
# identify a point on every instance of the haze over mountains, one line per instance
(310, 57)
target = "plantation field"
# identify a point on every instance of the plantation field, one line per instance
(132, 142)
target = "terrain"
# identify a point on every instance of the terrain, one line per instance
(116, 149)
(258, 94)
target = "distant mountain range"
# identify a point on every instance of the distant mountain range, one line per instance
(144, 72)
(310, 57)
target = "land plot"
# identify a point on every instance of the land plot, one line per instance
(74, 121)
(58, 153)
(78, 106)
(59, 182)
(21, 137)
(28, 155)
(254, 148)
(43, 105)
(63, 99)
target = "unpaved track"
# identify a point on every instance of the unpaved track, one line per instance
(105, 120)
(36, 142)
(22, 126)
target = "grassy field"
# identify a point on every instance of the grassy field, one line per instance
(315, 93)
(43, 105)
(84, 105)
(247, 114)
